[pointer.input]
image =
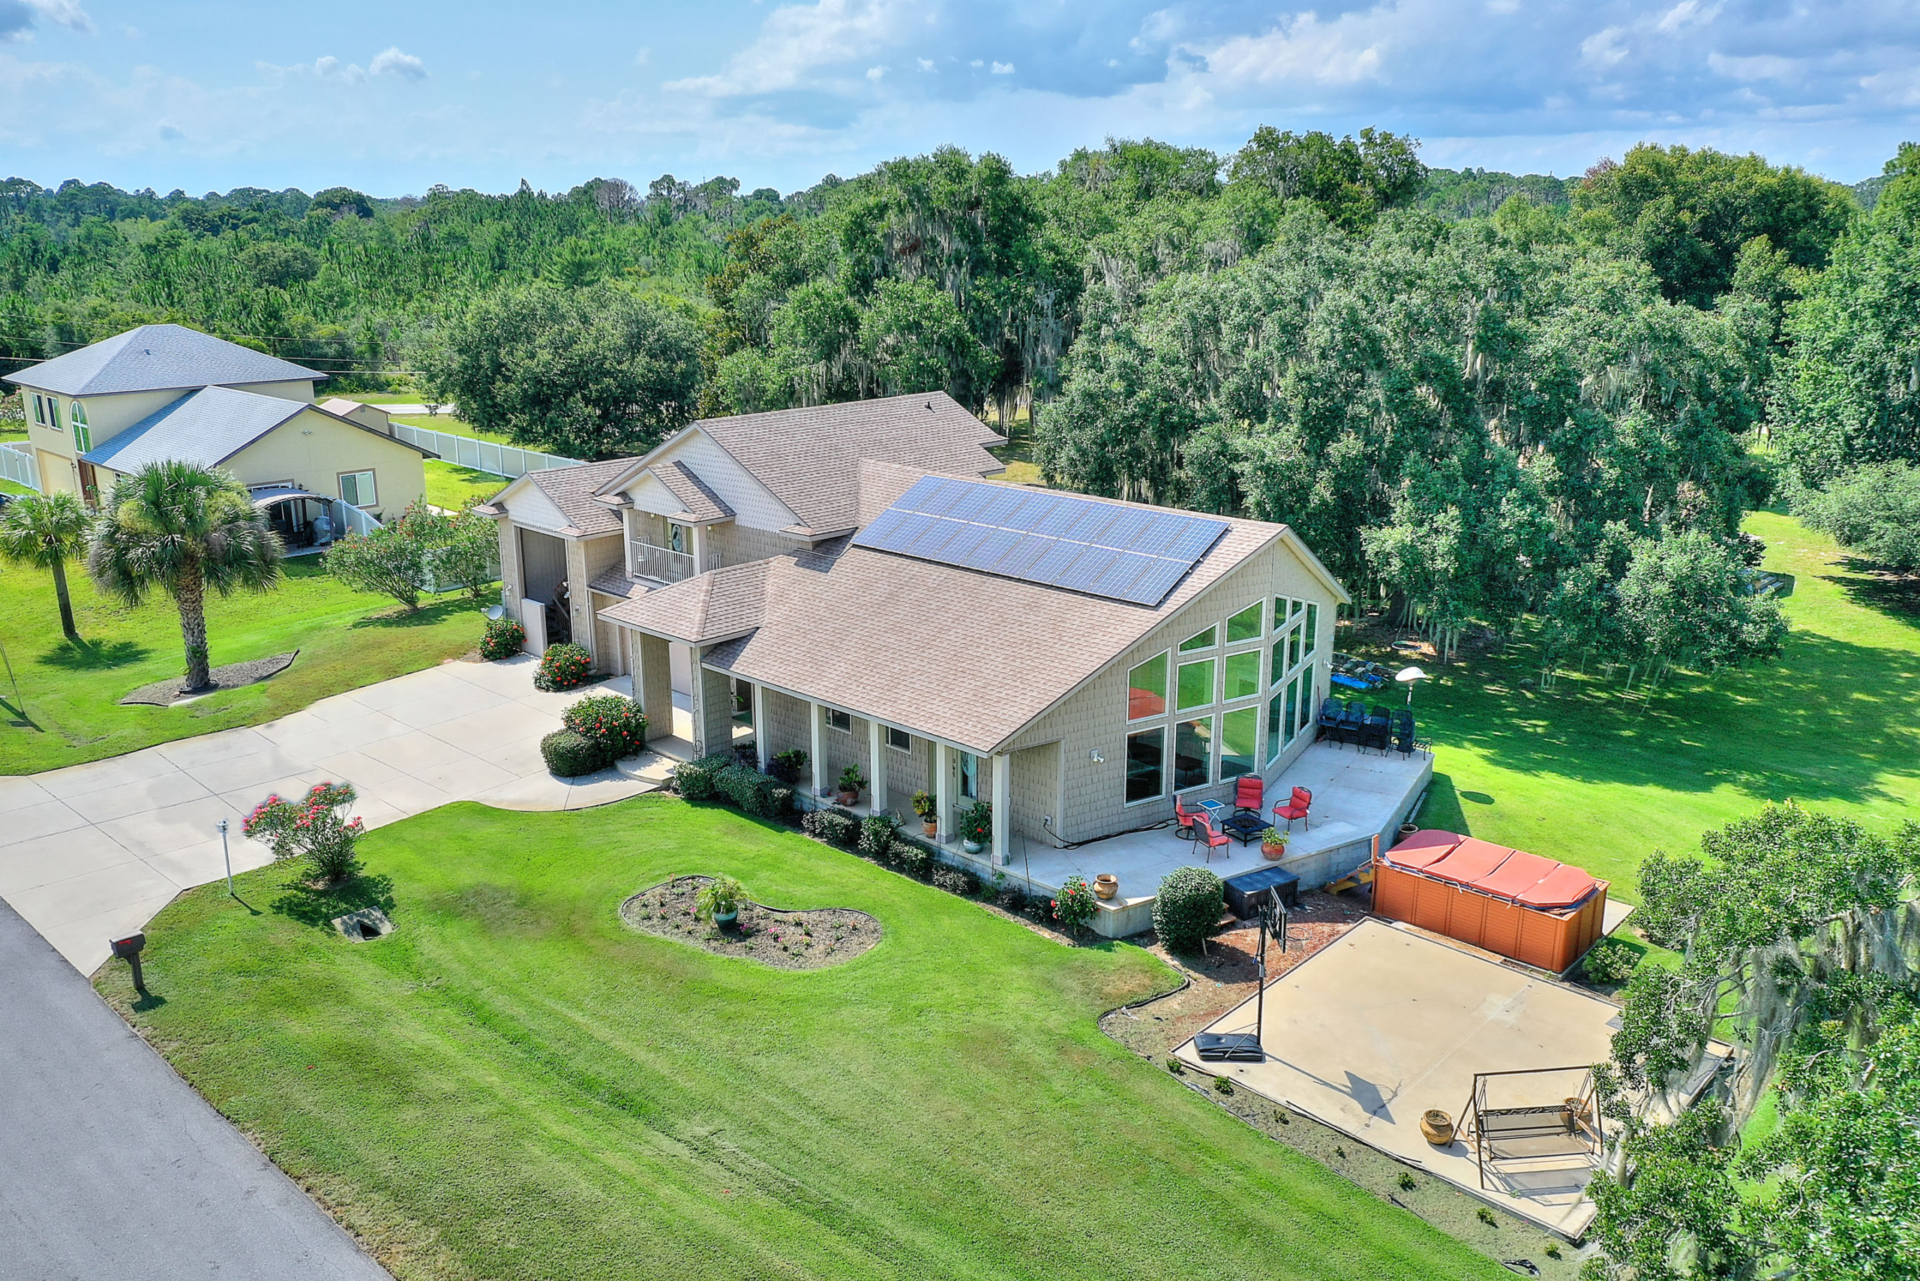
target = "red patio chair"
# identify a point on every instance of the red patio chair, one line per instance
(1295, 807)
(1183, 820)
(1203, 830)
(1248, 792)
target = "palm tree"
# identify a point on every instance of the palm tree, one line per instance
(184, 529)
(45, 530)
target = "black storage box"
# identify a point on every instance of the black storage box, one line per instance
(1249, 890)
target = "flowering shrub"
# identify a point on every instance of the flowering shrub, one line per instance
(563, 666)
(505, 637)
(315, 828)
(614, 721)
(1073, 906)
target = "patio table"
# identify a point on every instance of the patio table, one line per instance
(1247, 826)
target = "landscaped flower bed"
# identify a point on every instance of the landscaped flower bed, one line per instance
(803, 940)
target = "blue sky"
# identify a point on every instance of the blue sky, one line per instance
(391, 98)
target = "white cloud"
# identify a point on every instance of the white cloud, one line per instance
(63, 13)
(1688, 13)
(395, 63)
(1003, 68)
(799, 44)
(1303, 48)
(925, 64)
(1605, 47)
(875, 73)
(643, 57)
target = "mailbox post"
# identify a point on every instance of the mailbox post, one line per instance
(128, 950)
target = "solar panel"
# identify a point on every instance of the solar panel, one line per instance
(1060, 540)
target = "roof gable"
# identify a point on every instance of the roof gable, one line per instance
(158, 358)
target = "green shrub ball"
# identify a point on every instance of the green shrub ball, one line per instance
(570, 755)
(1187, 908)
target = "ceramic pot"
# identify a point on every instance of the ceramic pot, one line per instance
(1106, 885)
(1408, 829)
(1274, 853)
(726, 918)
(1436, 1127)
(929, 827)
(848, 799)
(972, 847)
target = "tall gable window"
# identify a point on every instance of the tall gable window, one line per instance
(82, 434)
(1147, 689)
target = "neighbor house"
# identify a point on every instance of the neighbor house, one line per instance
(844, 581)
(165, 392)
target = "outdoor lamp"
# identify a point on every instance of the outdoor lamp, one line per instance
(1407, 676)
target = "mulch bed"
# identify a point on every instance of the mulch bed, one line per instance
(1226, 975)
(809, 939)
(232, 676)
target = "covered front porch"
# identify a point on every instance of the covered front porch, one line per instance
(1358, 795)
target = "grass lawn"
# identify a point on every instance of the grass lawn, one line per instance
(346, 639)
(515, 1084)
(1581, 774)
(457, 488)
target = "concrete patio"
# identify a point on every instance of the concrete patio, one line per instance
(91, 852)
(1356, 796)
(1386, 1023)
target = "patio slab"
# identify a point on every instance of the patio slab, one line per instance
(1384, 1024)
(93, 851)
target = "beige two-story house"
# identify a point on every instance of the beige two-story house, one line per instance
(166, 392)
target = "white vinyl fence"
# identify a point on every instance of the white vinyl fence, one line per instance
(18, 466)
(481, 455)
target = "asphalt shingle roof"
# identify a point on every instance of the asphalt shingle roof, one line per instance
(207, 428)
(810, 457)
(706, 607)
(572, 488)
(158, 358)
(697, 501)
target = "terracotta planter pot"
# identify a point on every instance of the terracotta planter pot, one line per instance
(1436, 1127)
(1106, 885)
(1274, 852)
(848, 799)
(929, 827)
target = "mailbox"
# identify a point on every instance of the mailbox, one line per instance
(128, 948)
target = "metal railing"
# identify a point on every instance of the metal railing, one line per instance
(653, 561)
(481, 455)
(17, 464)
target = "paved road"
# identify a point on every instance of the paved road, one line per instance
(91, 852)
(111, 1165)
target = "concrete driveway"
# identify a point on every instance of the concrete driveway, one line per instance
(115, 1167)
(91, 852)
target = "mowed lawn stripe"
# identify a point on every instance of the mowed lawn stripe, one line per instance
(515, 1084)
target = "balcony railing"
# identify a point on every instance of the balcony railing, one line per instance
(650, 560)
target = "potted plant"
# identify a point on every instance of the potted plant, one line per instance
(1273, 843)
(929, 811)
(719, 900)
(976, 827)
(851, 781)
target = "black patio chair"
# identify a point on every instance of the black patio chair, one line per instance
(1328, 722)
(1375, 732)
(1353, 723)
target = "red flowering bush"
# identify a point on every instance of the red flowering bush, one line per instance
(563, 666)
(1073, 907)
(505, 637)
(316, 829)
(613, 721)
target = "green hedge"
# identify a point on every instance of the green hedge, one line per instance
(834, 826)
(570, 755)
(721, 778)
(1187, 908)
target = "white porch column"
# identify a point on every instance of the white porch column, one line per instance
(877, 766)
(1002, 808)
(761, 747)
(942, 768)
(699, 548)
(815, 763)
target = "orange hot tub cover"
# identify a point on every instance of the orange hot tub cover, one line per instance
(1521, 905)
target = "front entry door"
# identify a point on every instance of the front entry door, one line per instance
(89, 485)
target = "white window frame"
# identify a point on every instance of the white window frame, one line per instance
(1166, 773)
(40, 410)
(82, 430)
(373, 483)
(832, 712)
(1169, 695)
(906, 740)
(1213, 751)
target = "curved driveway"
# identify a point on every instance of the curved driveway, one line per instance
(91, 852)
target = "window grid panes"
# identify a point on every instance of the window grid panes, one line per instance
(1245, 625)
(1293, 710)
(1242, 675)
(1276, 721)
(1311, 628)
(1305, 684)
(1192, 754)
(356, 488)
(1238, 734)
(1201, 640)
(1146, 765)
(82, 434)
(1196, 685)
(1293, 649)
(1280, 604)
(1147, 689)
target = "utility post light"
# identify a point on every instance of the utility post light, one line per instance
(227, 858)
(1407, 676)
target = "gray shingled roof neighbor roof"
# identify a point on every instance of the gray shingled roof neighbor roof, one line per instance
(158, 358)
(208, 427)
(572, 490)
(809, 458)
(616, 582)
(697, 502)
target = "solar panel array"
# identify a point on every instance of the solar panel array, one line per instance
(1102, 549)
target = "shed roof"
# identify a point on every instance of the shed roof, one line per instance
(158, 358)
